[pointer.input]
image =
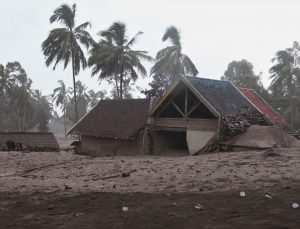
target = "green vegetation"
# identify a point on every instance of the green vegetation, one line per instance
(113, 59)
(22, 108)
(63, 43)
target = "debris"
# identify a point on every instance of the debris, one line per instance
(269, 196)
(67, 187)
(79, 214)
(199, 207)
(270, 153)
(295, 205)
(174, 204)
(127, 174)
(51, 207)
(242, 194)
(124, 209)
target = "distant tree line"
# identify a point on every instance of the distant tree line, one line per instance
(284, 91)
(112, 58)
(22, 107)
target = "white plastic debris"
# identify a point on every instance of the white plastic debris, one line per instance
(199, 207)
(295, 205)
(242, 194)
(268, 196)
(125, 209)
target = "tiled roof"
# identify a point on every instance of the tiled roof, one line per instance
(34, 141)
(223, 96)
(118, 119)
(265, 108)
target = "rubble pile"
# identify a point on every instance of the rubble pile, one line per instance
(237, 124)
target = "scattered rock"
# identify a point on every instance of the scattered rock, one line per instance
(79, 214)
(295, 205)
(124, 209)
(242, 194)
(67, 187)
(51, 207)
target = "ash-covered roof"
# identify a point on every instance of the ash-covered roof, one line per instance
(32, 141)
(118, 119)
(267, 110)
(223, 96)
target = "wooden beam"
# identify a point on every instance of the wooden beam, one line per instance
(185, 102)
(169, 102)
(177, 108)
(194, 107)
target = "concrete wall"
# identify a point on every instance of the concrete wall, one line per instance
(109, 147)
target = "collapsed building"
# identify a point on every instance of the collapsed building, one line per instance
(113, 127)
(28, 141)
(194, 115)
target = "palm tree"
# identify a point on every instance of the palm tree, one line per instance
(60, 96)
(114, 59)
(285, 75)
(170, 61)
(63, 43)
(5, 81)
(94, 97)
(22, 95)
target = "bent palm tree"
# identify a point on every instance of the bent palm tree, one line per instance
(114, 58)
(63, 44)
(170, 61)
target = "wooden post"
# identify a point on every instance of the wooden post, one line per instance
(186, 103)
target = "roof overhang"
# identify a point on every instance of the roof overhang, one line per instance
(171, 88)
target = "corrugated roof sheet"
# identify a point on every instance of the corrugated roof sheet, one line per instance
(36, 141)
(223, 96)
(266, 109)
(118, 119)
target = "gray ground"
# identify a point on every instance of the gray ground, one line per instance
(64, 171)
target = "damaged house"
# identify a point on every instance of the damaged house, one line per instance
(194, 115)
(28, 141)
(113, 127)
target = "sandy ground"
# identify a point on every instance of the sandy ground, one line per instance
(32, 172)
(63, 190)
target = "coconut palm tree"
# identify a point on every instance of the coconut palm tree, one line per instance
(63, 44)
(94, 97)
(112, 58)
(60, 97)
(285, 75)
(170, 61)
(22, 95)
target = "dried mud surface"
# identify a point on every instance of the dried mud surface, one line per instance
(63, 190)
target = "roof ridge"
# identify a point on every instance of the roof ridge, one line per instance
(195, 77)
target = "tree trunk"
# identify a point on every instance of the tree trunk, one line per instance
(121, 85)
(74, 89)
(65, 122)
(24, 112)
(121, 76)
(117, 86)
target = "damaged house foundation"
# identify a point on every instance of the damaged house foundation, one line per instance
(28, 141)
(194, 115)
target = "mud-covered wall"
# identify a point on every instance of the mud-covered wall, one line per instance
(109, 147)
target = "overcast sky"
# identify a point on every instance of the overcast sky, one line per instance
(213, 32)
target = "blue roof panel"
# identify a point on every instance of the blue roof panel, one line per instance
(225, 98)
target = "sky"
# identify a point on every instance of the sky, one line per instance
(213, 33)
